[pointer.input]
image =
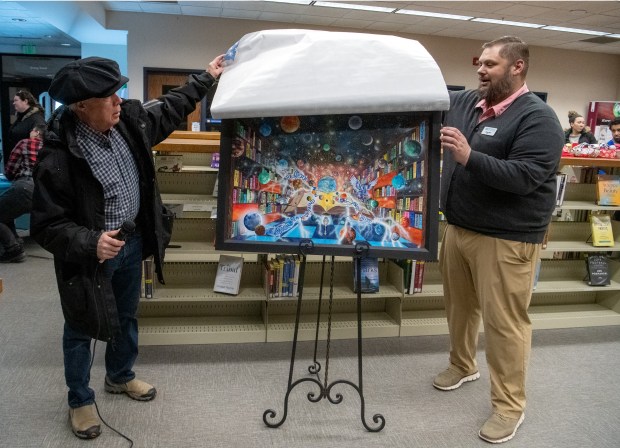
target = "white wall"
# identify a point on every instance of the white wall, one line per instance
(571, 78)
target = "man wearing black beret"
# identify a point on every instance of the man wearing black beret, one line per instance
(95, 173)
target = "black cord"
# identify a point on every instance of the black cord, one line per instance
(92, 360)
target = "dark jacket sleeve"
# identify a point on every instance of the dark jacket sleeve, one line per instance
(169, 110)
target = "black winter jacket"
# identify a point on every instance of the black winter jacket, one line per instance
(68, 204)
(22, 127)
(584, 137)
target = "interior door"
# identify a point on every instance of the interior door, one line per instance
(159, 81)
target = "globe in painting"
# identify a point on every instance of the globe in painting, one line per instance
(264, 177)
(398, 181)
(412, 149)
(252, 220)
(327, 184)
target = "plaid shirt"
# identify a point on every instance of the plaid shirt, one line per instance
(114, 167)
(23, 158)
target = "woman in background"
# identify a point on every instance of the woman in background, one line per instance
(577, 132)
(28, 114)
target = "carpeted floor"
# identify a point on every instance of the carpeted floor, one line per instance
(215, 395)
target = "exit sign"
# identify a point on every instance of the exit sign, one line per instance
(29, 49)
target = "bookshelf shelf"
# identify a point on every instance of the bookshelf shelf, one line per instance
(344, 326)
(584, 161)
(188, 145)
(187, 311)
(184, 294)
(429, 322)
(200, 330)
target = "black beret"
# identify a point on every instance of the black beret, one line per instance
(86, 78)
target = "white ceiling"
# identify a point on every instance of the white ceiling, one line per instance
(603, 16)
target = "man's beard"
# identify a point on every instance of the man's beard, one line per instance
(496, 91)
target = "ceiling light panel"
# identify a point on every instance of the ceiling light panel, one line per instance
(507, 22)
(354, 6)
(574, 30)
(433, 14)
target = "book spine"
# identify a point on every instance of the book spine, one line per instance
(148, 278)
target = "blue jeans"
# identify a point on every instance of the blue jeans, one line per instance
(14, 202)
(126, 274)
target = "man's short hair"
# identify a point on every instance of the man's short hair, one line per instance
(513, 49)
(614, 122)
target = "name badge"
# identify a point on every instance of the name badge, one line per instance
(489, 131)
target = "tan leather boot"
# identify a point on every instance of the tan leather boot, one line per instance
(85, 422)
(136, 389)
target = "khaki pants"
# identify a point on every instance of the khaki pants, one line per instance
(490, 279)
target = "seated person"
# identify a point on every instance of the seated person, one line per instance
(614, 127)
(17, 200)
(577, 133)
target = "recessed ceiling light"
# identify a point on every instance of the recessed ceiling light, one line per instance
(295, 2)
(66, 45)
(433, 14)
(507, 22)
(351, 6)
(574, 30)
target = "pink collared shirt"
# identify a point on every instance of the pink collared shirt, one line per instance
(498, 109)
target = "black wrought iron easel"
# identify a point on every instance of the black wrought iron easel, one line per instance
(325, 388)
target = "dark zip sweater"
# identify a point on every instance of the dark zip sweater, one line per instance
(507, 189)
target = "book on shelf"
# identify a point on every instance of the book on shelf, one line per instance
(608, 189)
(419, 279)
(561, 188)
(369, 274)
(215, 187)
(281, 275)
(406, 266)
(602, 233)
(148, 272)
(228, 276)
(168, 163)
(215, 160)
(597, 270)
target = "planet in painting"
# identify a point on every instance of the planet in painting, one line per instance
(290, 124)
(252, 220)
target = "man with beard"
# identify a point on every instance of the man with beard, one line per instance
(501, 149)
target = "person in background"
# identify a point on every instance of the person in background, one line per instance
(28, 114)
(94, 173)
(614, 127)
(502, 148)
(577, 132)
(17, 199)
